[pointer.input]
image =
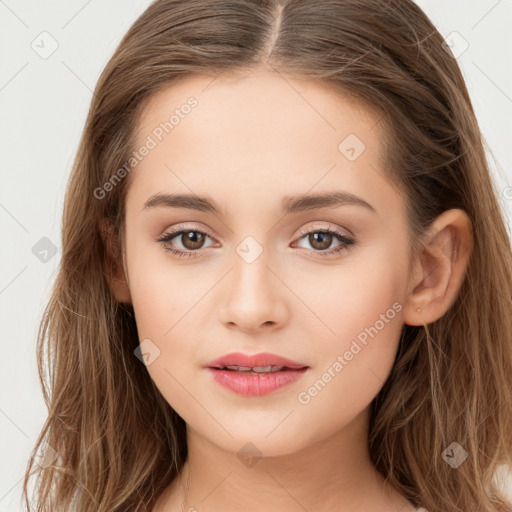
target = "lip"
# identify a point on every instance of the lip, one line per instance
(261, 359)
(255, 384)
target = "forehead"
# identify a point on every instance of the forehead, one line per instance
(260, 134)
(257, 99)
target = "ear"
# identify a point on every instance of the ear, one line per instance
(114, 271)
(439, 269)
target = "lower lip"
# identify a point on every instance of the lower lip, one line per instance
(253, 384)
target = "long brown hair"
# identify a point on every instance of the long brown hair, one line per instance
(115, 442)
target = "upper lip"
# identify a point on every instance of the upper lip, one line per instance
(256, 360)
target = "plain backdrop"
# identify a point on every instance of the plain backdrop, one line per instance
(43, 103)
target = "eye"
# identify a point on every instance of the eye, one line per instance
(321, 239)
(191, 241)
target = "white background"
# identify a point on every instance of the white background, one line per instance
(43, 104)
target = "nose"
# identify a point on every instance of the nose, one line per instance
(254, 297)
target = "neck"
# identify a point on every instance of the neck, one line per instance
(333, 474)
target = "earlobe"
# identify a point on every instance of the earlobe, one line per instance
(114, 271)
(440, 267)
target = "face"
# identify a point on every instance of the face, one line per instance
(319, 283)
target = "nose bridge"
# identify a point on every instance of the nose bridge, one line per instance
(253, 295)
(251, 280)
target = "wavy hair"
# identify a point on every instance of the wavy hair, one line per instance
(111, 440)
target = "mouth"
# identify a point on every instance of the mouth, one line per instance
(248, 382)
(255, 375)
(256, 370)
(259, 363)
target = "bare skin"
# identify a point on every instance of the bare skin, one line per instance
(251, 141)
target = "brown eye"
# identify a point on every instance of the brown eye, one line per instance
(320, 240)
(184, 243)
(192, 239)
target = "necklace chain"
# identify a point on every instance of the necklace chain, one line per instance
(185, 491)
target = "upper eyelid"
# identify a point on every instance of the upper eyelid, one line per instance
(180, 227)
(325, 227)
(319, 226)
(302, 231)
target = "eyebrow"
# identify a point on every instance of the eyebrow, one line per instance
(289, 204)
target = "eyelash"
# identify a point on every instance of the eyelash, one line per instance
(347, 243)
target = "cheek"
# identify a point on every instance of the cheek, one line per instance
(345, 300)
(159, 301)
(164, 293)
(166, 306)
(164, 299)
(169, 315)
(361, 304)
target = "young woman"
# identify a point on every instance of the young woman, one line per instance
(285, 279)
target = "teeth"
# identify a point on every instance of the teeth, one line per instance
(257, 369)
(263, 369)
